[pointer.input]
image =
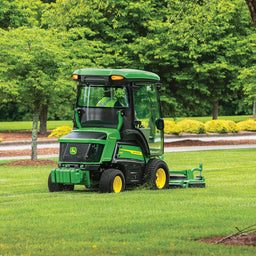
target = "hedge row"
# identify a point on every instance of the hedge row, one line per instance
(213, 126)
(190, 126)
(60, 132)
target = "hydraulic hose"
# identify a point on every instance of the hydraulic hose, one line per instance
(120, 121)
(77, 119)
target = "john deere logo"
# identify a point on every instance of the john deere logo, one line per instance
(73, 150)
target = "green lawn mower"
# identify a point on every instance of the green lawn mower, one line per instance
(117, 140)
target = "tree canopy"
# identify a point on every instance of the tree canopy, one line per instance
(197, 47)
(31, 63)
(202, 50)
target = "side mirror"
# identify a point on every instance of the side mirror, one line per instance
(160, 124)
(158, 86)
(137, 124)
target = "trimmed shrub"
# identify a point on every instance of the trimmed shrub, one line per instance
(248, 125)
(231, 125)
(60, 132)
(171, 128)
(192, 126)
(216, 126)
(144, 124)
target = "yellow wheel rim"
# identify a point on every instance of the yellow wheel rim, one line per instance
(160, 178)
(117, 184)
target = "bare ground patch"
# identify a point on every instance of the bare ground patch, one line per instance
(243, 237)
(242, 240)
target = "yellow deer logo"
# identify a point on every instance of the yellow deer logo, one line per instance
(73, 150)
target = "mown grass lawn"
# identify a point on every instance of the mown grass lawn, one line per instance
(135, 222)
(27, 125)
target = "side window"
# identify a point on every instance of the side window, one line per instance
(146, 104)
(82, 96)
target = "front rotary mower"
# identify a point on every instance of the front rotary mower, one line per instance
(117, 140)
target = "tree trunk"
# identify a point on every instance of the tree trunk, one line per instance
(34, 134)
(253, 110)
(252, 8)
(215, 110)
(43, 119)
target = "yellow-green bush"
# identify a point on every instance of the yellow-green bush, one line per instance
(231, 125)
(191, 126)
(217, 126)
(144, 124)
(171, 128)
(60, 132)
(1, 139)
(248, 125)
(221, 126)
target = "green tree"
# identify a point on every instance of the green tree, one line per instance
(16, 13)
(198, 49)
(248, 76)
(31, 63)
(106, 27)
(106, 33)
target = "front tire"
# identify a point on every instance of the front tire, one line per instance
(157, 174)
(112, 181)
(68, 187)
(54, 187)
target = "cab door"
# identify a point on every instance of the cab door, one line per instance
(148, 116)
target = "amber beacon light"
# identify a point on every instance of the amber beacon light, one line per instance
(117, 78)
(75, 77)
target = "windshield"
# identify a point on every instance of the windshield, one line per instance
(99, 105)
(102, 96)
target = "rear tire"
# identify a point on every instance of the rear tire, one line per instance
(112, 181)
(54, 187)
(157, 174)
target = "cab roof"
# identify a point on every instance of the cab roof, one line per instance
(128, 74)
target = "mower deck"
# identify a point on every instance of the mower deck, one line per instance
(186, 179)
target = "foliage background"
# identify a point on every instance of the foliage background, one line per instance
(204, 51)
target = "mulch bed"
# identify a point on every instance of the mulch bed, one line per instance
(22, 135)
(191, 143)
(27, 162)
(26, 136)
(27, 152)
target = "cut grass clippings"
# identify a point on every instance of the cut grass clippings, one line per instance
(135, 222)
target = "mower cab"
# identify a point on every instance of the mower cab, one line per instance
(117, 138)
